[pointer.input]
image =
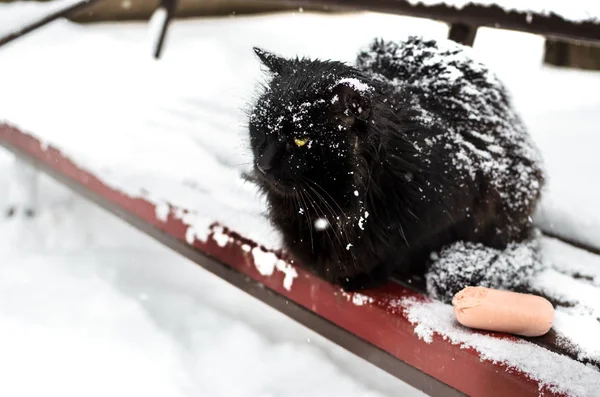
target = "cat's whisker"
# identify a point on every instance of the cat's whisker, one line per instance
(327, 205)
(309, 200)
(295, 209)
(327, 230)
(326, 192)
(332, 212)
(312, 245)
(332, 230)
(401, 229)
(342, 229)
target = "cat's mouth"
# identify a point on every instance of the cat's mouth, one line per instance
(281, 187)
(278, 186)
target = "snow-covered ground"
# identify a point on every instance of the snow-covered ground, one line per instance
(89, 306)
(85, 298)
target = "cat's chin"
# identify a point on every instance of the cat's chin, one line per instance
(278, 188)
(281, 189)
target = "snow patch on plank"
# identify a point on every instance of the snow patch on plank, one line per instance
(553, 371)
(572, 261)
(579, 332)
(162, 211)
(569, 216)
(290, 274)
(357, 298)
(564, 288)
(267, 262)
(220, 236)
(264, 261)
(194, 233)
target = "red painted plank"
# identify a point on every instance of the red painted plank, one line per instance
(381, 323)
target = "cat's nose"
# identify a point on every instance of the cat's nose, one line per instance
(265, 161)
(262, 171)
(262, 167)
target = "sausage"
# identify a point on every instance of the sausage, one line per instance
(503, 311)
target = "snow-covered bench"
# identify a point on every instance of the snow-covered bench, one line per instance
(395, 327)
(193, 202)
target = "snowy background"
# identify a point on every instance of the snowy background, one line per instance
(88, 306)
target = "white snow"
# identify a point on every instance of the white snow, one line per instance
(584, 296)
(357, 298)
(265, 261)
(579, 329)
(556, 372)
(355, 84)
(321, 224)
(89, 306)
(173, 131)
(572, 281)
(572, 261)
(220, 236)
(162, 211)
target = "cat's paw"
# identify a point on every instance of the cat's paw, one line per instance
(463, 264)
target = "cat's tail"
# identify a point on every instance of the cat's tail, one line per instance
(464, 264)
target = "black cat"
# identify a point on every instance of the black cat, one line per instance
(369, 169)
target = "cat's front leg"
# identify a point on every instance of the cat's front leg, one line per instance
(463, 264)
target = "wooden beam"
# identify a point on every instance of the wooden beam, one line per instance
(572, 54)
(169, 6)
(463, 34)
(493, 16)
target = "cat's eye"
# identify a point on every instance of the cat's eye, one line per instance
(301, 141)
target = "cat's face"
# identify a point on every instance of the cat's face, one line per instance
(308, 123)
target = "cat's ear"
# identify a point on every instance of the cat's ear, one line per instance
(353, 100)
(276, 64)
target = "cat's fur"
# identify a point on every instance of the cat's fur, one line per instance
(415, 147)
